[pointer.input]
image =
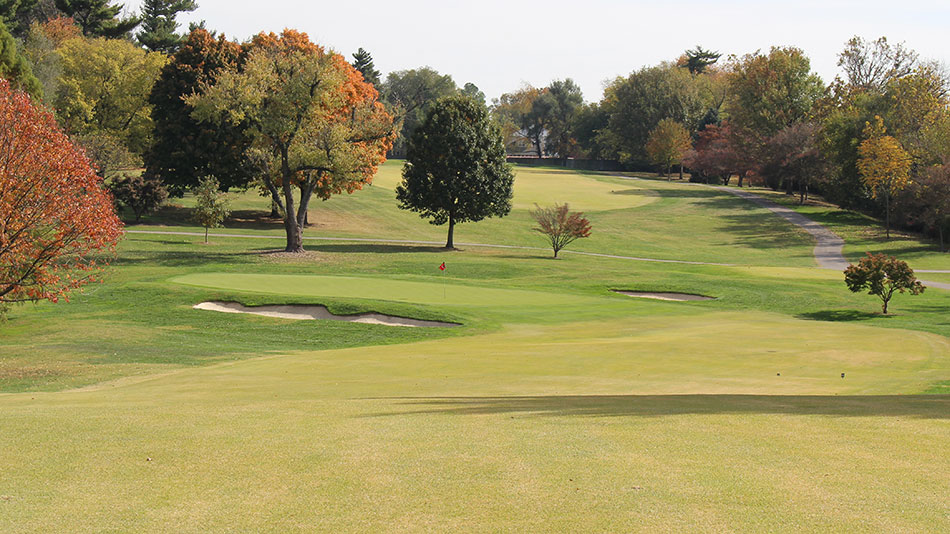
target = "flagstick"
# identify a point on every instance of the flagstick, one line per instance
(443, 284)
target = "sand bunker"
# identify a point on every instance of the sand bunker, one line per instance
(316, 312)
(681, 297)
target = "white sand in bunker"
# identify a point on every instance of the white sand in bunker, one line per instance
(679, 297)
(301, 312)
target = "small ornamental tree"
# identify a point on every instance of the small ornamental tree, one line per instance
(560, 225)
(882, 276)
(212, 206)
(455, 168)
(55, 215)
(667, 144)
(884, 166)
(141, 195)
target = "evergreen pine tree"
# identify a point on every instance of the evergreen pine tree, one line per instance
(158, 24)
(364, 63)
(98, 18)
(15, 67)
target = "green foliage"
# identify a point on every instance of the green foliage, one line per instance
(41, 52)
(410, 94)
(455, 170)
(637, 103)
(12, 13)
(105, 88)
(667, 144)
(141, 195)
(698, 59)
(212, 206)
(771, 92)
(15, 67)
(184, 148)
(98, 18)
(882, 275)
(363, 62)
(159, 26)
(472, 91)
(107, 152)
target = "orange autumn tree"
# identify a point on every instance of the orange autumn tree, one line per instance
(320, 128)
(56, 218)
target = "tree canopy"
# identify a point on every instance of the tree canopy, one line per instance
(105, 88)
(56, 215)
(183, 148)
(15, 67)
(159, 25)
(410, 94)
(98, 18)
(455, 169)
(363, 62)
(318, 126)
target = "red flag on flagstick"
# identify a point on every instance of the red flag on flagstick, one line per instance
(442, 267)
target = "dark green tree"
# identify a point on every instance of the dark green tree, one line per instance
(409, 94)
(455, 168)
(159, 26)
(183, 148)
(13, 12)
(471, 90)
(15, 67)
(637, 103)
(98, 18)
(565, 100)
(698, 59)
(363, 62)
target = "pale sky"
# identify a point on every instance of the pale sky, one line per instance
(499, 45)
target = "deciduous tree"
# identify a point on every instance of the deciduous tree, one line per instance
(637, 103)
(667, 144)
(141, 195)
(930, 191)
(560, 225)
(871, 65)
(771, 92)
(882, 275)
(455, 169)
(212, 206)
(884, 166)
(184, 148)
(307, 110)
(409, 94)
(56, 218)
(105, 88)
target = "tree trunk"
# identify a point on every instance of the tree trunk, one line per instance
(940, 232)
(885, 307)
(669, 172)
(887, 221)
(206, 235)
(681, 172)
(294, 234)
(450, 242)
(741, 176)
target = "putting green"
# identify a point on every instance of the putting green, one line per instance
(545, 186)
(428, 293)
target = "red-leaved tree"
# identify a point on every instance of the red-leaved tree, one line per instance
(560, 225)
(56, 218)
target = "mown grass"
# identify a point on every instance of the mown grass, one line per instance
(787, 404)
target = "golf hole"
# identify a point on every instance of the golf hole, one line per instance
(678, 297)
(309, 313)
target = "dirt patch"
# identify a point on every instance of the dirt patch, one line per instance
(678, 297)
(300, 312)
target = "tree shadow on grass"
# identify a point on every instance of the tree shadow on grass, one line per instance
(917, 406)
(841, 316)
(174, 215)
(370, 248)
